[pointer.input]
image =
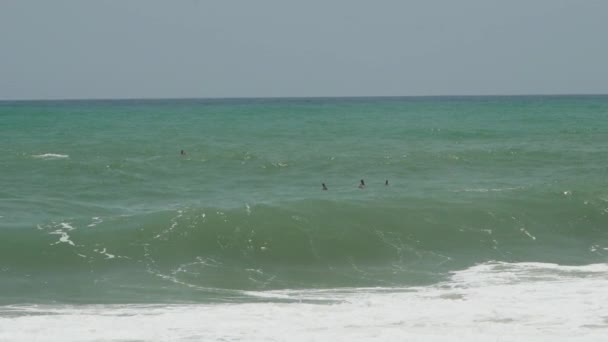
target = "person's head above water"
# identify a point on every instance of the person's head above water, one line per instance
(362, 184)
(386, 182)
(182, 152)
(324, 187)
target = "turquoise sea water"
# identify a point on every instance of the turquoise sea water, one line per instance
(98, 206)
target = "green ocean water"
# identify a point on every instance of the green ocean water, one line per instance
(98, 206)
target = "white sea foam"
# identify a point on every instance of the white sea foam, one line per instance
(174, 224)
(51, 156)
(61, 229)
(489, 302)
(95, 221)
(65, 225)
(64, 238)
(104, 252)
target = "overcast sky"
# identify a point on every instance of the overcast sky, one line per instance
(273, 48)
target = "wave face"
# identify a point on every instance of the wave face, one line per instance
(127, 218)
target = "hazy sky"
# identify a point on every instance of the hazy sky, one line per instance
(272, 48)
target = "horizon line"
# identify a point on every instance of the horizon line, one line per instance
(292, 97)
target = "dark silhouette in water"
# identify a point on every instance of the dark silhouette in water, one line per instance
(386, 182)
(183, 153)
(324, 187)
(362, 184)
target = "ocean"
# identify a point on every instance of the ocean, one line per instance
(481, 219)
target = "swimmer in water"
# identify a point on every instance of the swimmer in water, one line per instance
(386, 182)
(324, 187)
(183, 153)
(362, 185)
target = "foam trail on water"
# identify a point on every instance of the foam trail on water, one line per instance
(104, 252)
(95, 221)
(51, 156)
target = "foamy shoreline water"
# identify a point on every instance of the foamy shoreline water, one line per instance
(540, 302)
